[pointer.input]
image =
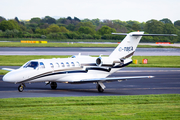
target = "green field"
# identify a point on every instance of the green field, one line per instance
(153, 61)
(69, 44)
(93, 108)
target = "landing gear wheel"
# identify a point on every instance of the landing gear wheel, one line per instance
(53, 85)
(100, 89)
(21, 88)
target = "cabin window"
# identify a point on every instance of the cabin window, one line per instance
(72, 63)
(52, 66)
(67, 64)
(78, 63)
(32, 64)
(58, 65)
(42, 65)
(62, 64)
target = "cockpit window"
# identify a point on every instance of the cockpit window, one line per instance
(32, 64)
(73, 56)
(42, 65)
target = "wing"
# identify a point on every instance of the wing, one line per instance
(111, 79)
(7, 69)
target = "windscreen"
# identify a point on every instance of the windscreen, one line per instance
(32, 64)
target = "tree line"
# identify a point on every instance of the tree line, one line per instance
(95, 29)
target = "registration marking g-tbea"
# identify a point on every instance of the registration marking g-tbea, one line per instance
(128, 49)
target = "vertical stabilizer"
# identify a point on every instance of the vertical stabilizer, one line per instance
(127, 47)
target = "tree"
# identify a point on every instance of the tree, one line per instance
(86, 30)
(61, 20)
(96, 22)
(106, 30)
(69, 18)
(87, 24)
(169, 29)
(6, 25)
(41, 31)
(63, 29)
(119, 22)
(154, 26)
(136, 27)
(166, 20)
(15, 24)
(49, 20)
(16, 19)
(177, 24)
(53, 28)
(2, 18)
(71, 27)
(77, 19)
(10, 25)
(35, 20)
(43, 25)
(86, 20)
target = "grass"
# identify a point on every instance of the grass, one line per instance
(19, 60)
(153, 61)
(157, 61)
(88, 108)
(18, 44)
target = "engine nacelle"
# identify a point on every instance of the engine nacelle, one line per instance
(106, 61)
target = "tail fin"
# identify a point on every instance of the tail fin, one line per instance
(128, 46)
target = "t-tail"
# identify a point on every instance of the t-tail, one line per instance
(124, 51)
(128, 45)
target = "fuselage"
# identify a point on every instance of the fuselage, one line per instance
(66, 70)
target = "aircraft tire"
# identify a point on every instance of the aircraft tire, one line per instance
(100, 89)
(53, 85)
(20, 88)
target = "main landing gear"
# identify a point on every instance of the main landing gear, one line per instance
(21, 87)
(100, 87)
(53, 85)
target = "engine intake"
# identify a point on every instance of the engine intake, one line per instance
(106, 61)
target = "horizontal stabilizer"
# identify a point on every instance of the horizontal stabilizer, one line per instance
(7, 69)
(144, 34)
(119, 33)
(154, 35)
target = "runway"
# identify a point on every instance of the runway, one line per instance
(85, 51)
(166, 81)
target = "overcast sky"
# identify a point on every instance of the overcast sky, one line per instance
(139, 10)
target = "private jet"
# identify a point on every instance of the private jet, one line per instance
(79, 68)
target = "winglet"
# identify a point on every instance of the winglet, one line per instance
(150, 76)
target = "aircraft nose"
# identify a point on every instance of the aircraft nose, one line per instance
(8, 78)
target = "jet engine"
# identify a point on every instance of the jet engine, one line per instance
(106, 61)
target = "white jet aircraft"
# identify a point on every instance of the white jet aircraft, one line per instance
(79, 68)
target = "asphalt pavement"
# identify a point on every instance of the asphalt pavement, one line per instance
(166, 81)
(85, 51)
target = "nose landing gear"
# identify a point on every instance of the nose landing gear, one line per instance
(21, 87)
